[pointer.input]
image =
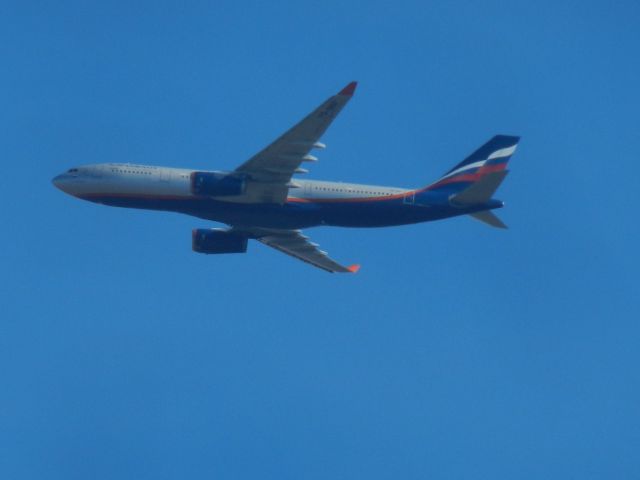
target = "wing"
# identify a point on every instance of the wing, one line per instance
(270, 170)
(294, 243)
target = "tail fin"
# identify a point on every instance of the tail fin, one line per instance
(491, 158)
(473, 181)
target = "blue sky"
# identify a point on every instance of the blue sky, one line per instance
(458, 351)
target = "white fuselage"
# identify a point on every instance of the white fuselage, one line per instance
(141, 180)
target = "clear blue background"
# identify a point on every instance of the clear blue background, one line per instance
(458, 351)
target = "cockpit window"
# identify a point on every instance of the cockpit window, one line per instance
(72, 170)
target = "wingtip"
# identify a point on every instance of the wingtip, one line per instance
(353, 268)
(349, 89)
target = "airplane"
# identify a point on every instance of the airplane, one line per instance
(262, 200)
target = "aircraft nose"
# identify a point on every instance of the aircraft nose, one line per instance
(63, 182)
(57, 181)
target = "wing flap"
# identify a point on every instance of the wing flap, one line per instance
(297, 245)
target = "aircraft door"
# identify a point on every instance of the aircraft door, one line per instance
(165, 174)
(409, 199)
(307, 190)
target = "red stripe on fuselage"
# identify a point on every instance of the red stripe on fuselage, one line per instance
(289, 199)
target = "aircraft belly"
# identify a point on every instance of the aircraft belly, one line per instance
(258, 215)
(347, 214)
(291, 215)
(374, 214)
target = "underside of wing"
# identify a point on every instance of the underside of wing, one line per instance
(270, 170)
(294, 243)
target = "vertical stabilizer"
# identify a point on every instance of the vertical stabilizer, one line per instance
(490, 158)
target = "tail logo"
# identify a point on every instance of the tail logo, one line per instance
(491, 157)
(503, 152)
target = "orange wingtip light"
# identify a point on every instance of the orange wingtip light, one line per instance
(349, 89)
(354, 268)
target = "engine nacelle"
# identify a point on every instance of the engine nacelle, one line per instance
(217, 240)
(217, 184)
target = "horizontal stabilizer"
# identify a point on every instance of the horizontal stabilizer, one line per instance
(489, 218)
(480, 191)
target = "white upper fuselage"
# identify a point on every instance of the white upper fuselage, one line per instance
(143, 180)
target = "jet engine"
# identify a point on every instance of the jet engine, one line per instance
(217, 240)
(217, 184)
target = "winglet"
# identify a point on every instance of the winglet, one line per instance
(349, 89)
(354, 268)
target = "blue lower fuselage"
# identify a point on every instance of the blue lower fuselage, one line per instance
(297, 214)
